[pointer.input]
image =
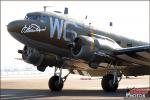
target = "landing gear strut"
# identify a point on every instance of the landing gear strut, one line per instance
(111, 80)
(56, 82)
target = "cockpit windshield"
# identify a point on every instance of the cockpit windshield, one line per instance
(41, 18)
(32, 17)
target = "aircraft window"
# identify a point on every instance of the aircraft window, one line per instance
(32, 17)
(129, 45)
(44, 19)
(118, 42)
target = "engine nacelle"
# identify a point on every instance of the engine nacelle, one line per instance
(33, 56)
(83, 47)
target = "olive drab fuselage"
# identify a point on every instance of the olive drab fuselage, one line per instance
(55, 30)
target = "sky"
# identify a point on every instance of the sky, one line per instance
(130, 19)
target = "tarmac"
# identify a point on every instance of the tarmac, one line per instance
(75, 87)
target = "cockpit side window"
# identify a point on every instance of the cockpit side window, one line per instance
(44, 19)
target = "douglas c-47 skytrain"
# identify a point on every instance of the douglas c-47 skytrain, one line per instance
(52, 39)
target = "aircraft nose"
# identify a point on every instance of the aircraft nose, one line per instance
(14, 26)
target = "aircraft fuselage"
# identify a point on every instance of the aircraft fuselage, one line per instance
(53, 33)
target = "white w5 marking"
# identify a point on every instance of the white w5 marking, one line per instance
(55, 25)
(59, 25)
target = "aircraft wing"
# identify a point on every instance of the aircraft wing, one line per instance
(136, 59)
(137, 55)
(100, 52)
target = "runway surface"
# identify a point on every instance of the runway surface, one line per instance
(74, 88)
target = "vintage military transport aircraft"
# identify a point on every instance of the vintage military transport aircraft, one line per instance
(52, 39)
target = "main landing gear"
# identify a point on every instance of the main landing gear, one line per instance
(111, 80)
(56, 82)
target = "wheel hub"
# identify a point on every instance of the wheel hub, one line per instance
(111, 83)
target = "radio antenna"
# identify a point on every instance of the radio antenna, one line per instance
(46, 7)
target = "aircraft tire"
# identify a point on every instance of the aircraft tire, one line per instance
(107, 83)
(54, 85)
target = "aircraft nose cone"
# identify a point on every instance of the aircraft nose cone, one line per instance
(10, 27)
(13, 26)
